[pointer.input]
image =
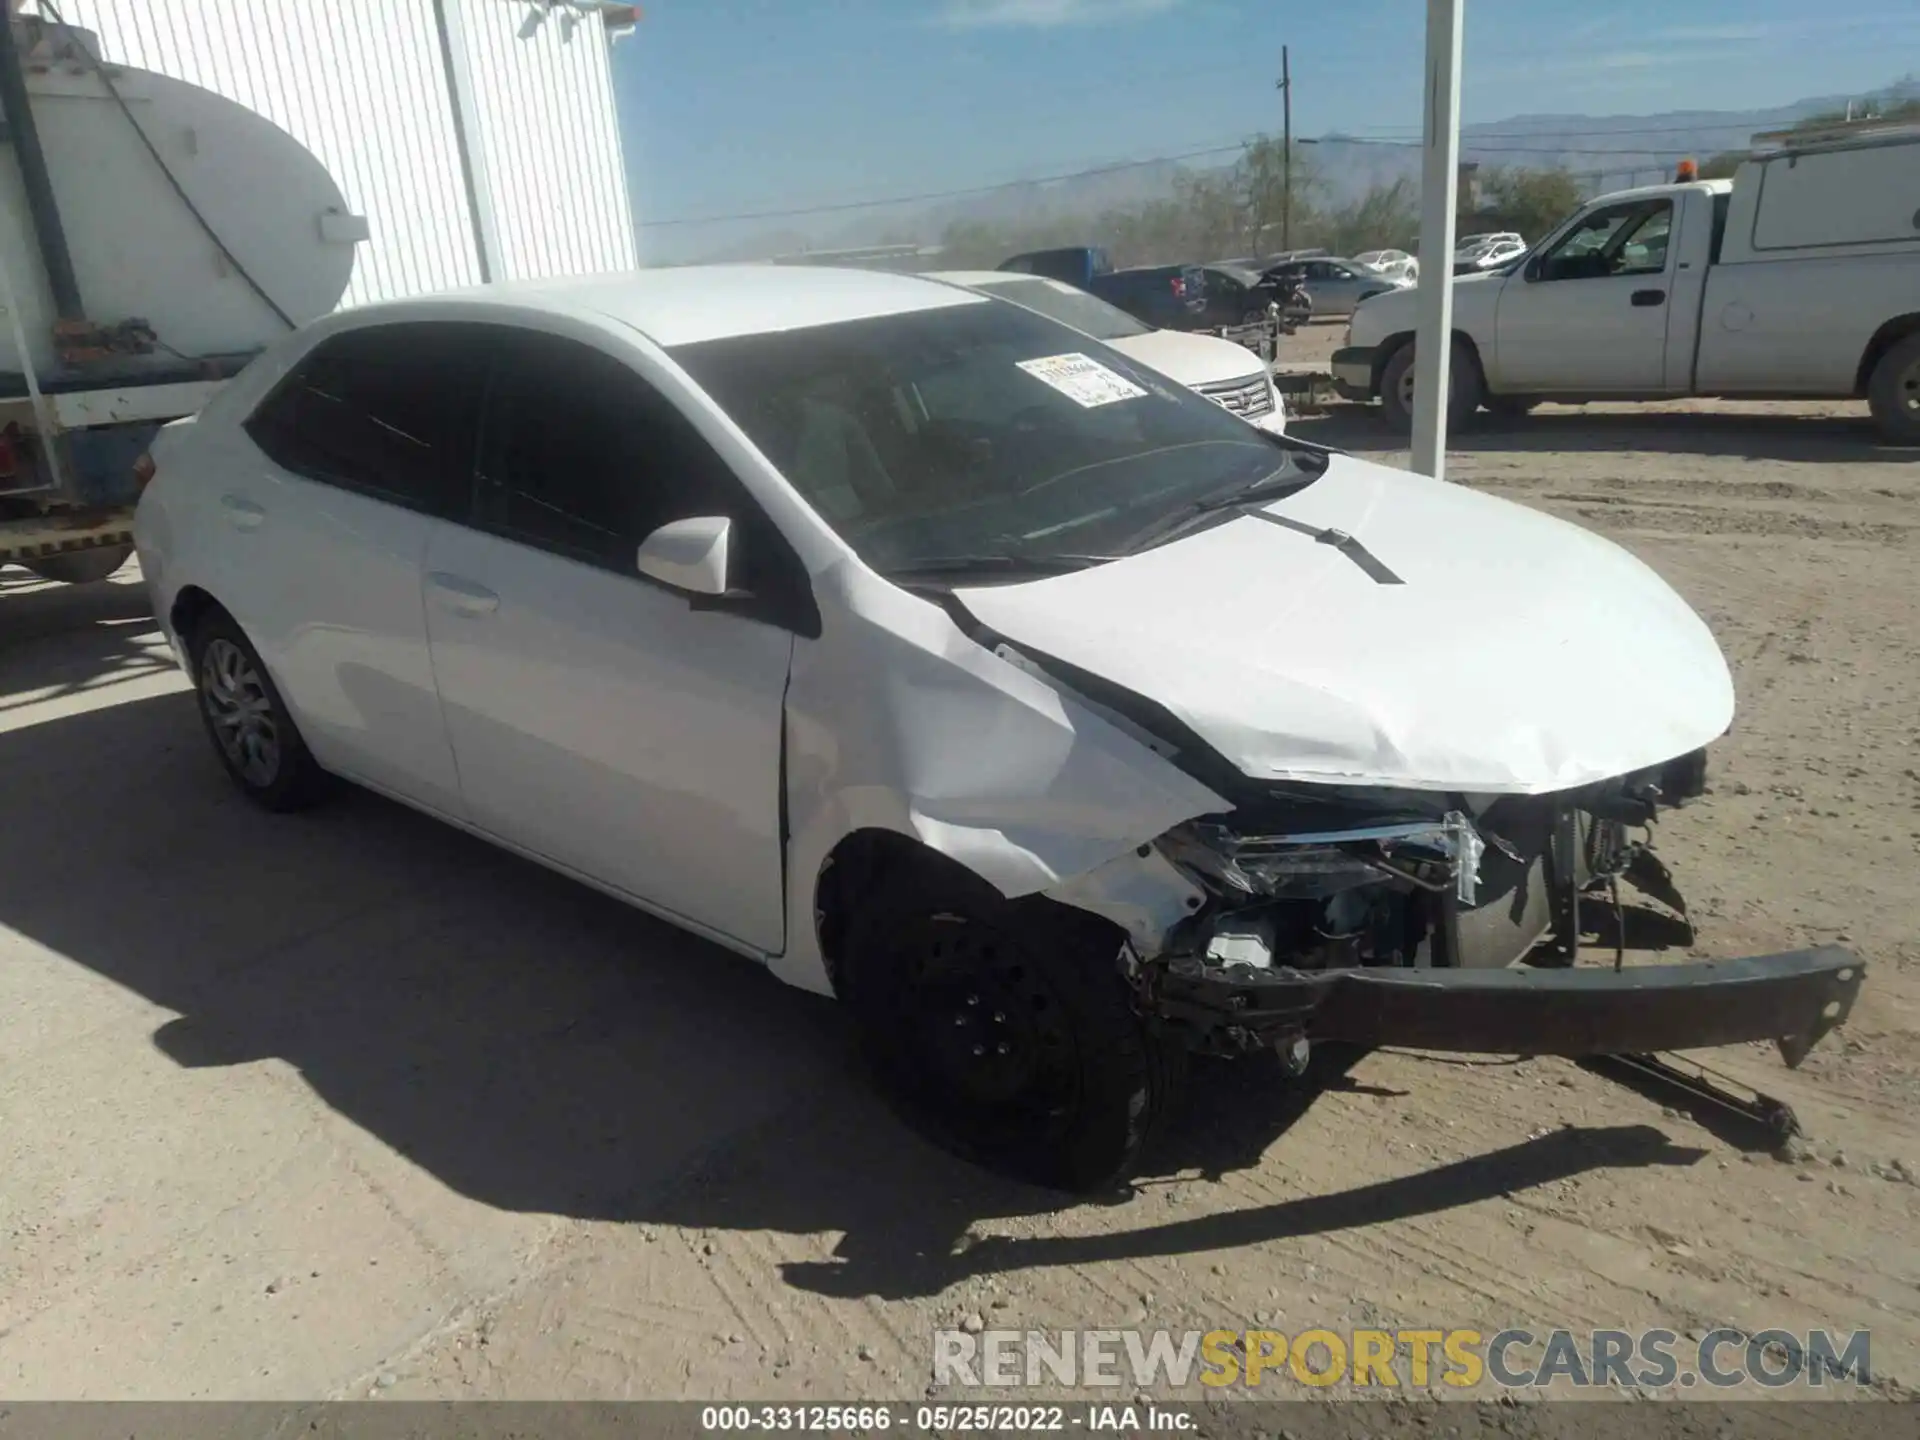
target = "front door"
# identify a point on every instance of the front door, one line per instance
(1589, 316)
(600, 719)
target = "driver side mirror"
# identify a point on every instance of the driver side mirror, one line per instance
(689, 555)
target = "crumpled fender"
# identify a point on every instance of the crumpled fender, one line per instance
(896, 720)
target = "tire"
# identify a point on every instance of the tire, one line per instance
(1003, 1031)
(1464, 385)
(80, 567)
(1893, 392)
(247, 721)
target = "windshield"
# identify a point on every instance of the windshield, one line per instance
(981, 429)
(1085, 313)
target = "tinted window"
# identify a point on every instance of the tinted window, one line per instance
(580, 456)
(388, 410)
(978, 428)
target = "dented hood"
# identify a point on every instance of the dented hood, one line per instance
(1466, 644)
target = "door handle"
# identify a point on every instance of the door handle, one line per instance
(463, 597)
(1644, 298)
(242, 513)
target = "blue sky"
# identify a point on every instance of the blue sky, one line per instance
(732, 106)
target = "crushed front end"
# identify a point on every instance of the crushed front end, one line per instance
(1452, 923)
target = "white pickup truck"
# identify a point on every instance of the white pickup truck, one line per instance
(1797, 279)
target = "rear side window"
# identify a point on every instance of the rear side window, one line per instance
(389, 411)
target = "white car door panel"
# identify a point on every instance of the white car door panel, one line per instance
(599, 719)
(349, 458)
(1590, 315)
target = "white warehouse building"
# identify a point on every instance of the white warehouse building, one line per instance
(476, 139)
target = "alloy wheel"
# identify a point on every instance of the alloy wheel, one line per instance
(237, 703)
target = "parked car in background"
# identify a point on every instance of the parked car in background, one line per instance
(947, 661)
(1224, 372)
(1167, 297)
(1336, 286)
(1072, 265)
(1396, 263)
(1798, 279)
(1235, 295)
(1489, 257)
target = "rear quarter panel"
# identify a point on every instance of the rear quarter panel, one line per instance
(1799, 326)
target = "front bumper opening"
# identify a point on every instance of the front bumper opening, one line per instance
(1412, 932)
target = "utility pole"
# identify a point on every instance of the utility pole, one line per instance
(1285, 86)
(1433, 343)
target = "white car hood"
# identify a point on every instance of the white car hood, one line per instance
(1191, 359)
(1519, 655)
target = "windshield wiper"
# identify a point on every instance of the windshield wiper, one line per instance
(995, 562)
(1271, 486)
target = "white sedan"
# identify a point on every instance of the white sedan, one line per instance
(1229, 374)
(1397, 263)
(945, 659)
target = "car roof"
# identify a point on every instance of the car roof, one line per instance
(685, 304)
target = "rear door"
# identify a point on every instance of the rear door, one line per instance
(601, 719)
(1590, 315)
(359, 450)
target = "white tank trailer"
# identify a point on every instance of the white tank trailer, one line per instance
(154, 237)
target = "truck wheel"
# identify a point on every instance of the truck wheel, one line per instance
(1003, 1031)
(80, 567)
(1464, 385)
(247, 721)
(1894, 392)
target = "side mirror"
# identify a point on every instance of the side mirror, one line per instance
(689, 555)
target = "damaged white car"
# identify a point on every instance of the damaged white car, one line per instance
(946, 660)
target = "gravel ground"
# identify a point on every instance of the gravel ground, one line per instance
(352, 1105)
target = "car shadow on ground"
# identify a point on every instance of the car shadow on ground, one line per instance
(1814, 439)
(540, 1048)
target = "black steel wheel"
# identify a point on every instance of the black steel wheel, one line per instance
(1004, 1031)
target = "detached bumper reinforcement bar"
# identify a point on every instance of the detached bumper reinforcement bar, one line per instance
(1792, 999)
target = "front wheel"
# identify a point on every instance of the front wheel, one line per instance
(1893, 392)
(248, 722)
(1464, 387)
(1004, 1031)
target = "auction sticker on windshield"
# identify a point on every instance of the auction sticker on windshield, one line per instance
(1082, 380)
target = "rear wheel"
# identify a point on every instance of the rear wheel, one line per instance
(80, 567)
(1464, 385)
(248, 722)
(1893, 392)
(1004, 1031)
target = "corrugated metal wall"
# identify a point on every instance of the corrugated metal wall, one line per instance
(361, 85)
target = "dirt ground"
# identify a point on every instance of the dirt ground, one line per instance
(351, 1105)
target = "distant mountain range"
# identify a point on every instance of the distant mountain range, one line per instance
(1607, 151)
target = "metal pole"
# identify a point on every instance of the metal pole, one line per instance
(16, 110)
(473, 173)
(1439, 175)
(1286, 152)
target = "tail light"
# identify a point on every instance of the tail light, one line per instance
(143, 471)
(1179, 288)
